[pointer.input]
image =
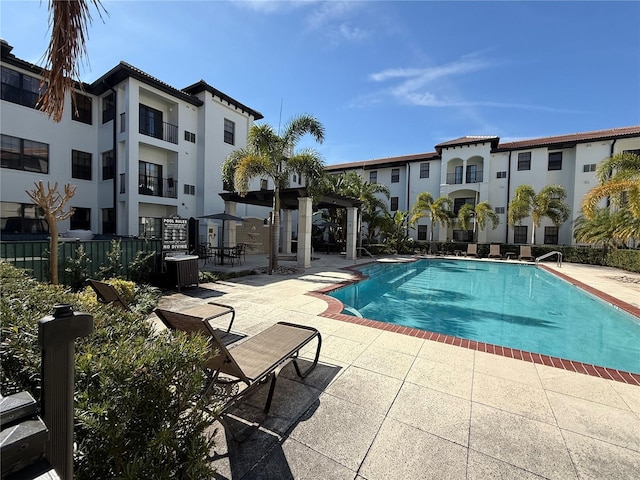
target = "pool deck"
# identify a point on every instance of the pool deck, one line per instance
(386, 405)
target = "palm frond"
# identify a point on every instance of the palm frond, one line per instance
(68, 20)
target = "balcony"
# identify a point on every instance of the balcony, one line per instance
(160, 130)
(472, 176)
(157, 187)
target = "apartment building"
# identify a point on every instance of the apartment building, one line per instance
(473, 169)
(136, 148)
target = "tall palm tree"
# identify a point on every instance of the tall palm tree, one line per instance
(482, 213)
(269, 154)
(437, 210)
(619, 180)
(69, 20)
(549, 202)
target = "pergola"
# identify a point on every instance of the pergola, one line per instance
(299, 199)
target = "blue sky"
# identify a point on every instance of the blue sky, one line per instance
(385, 78)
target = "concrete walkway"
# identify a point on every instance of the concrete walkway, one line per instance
(383, 406)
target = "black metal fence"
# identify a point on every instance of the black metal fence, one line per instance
(34, 255)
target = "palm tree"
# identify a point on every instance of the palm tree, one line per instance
(619, 180)
(608, 228)
(69, 20)
(269, 154)
(437, 210)
(549, 202)
(396, 227)
(482, 213)
(350, 184)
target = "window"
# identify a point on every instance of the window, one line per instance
(108, 165)
(394, 204)
(551, 235)
(22, 218)
(424, 170)
(422, 232)
(395, 175)
(473, 174)
(590, 167)
(499, 210)
(19, 88)
(524, 161)
(189, 189)
(229, 132)
(520, 234)
(19, 154)
(264, 185)
(150, 121)
(501, 175)
(635, 152)
(108, 105)
(555, 161)
(190, 137)
(459, 202)
(373, 176)
(80, 165)
(149, 179)
(81, 108)
(149, 227)
(81, 219)
(457, 175)
(463, 235)
(108, 220)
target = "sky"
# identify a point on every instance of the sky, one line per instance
(384, 78)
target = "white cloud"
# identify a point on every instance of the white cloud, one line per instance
(426, 87)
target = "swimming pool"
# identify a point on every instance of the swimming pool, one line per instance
(511, 305)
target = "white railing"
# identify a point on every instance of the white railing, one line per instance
(547, 255)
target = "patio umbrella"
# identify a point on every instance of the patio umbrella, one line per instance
(224, 216)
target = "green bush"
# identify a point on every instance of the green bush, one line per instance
(626, 259)
(135, 414)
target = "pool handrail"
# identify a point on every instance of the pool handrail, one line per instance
(547, 255)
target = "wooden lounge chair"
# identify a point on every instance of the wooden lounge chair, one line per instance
(472, 250)
(494, 251)
(251, 363)
(525, 253)
(107, 293)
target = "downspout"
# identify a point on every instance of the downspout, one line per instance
(408, 190)
(115, 156)
(506, 235)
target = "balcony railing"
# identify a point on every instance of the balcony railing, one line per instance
(157, 187)
(160, 130)
(470, 177)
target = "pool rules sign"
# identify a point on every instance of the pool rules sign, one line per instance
(175, 234)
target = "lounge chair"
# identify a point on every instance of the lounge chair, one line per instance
(253, 362)
(494, 251)
(191, 320)
(107, 294)
(525, 253)
(472, 250)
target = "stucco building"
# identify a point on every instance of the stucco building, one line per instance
(474, 169)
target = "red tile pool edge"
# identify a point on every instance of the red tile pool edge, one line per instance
(334, 309)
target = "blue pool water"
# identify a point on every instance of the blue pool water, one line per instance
(517, 306)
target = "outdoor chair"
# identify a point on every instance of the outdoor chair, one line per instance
(472, 250)
(525, 253)
(494, 251)
(236, 372)
(107, 294)
(196, 319)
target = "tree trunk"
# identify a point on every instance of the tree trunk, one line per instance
(275, 231)
(533, 234)
(53, 249)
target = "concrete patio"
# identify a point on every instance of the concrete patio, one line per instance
(382, 405)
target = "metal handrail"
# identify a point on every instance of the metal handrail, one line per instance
(547, 255)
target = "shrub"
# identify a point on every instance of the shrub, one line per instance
(112, 268)
(75, 269)
(626, 259)
(135, 414)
